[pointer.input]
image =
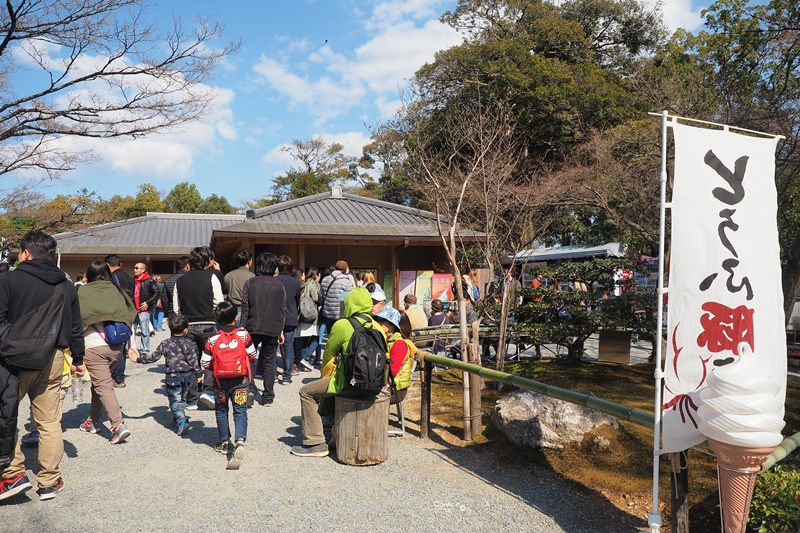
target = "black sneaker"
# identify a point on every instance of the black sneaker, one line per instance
(320, 450)
(48, 493)
(14, 485)
(223, 447)
(265, 403)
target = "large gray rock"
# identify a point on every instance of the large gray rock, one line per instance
(533, 419)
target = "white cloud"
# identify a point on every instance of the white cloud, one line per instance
(374, 72)
(391, 58)
(390, 12)
(352, 141)
(680, 14)
(169, 154)
(278, 157)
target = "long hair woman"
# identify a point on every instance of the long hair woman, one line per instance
(102, 301)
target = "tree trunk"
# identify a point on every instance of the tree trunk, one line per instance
(476, 385)
(680, 492)
(463, 333)
(361, 430)
(791, 278)
(503, 326)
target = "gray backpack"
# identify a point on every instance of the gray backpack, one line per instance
(308, 309)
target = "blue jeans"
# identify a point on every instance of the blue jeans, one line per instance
(157, 318)
(307, 348)
(235, 390)
(144, 326)
(287, 352)
(177, 385)
(323, 327)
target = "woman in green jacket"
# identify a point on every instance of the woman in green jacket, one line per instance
(102, 301)
(357, 303)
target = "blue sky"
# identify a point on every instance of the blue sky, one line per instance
(306, 68)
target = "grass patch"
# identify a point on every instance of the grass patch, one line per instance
(623, 474)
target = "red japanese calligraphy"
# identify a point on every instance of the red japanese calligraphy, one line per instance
(724, 328)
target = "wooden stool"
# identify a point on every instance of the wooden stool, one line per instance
(361, 430)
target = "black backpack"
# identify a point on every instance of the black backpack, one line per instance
(29, 343)
(365, 365)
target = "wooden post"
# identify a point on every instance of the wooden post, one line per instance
(476, 385)
(425, 400)
(361, 430)
(680, 492)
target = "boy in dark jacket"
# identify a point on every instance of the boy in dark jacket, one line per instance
(183, 368)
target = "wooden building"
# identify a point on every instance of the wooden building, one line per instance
(314, 231)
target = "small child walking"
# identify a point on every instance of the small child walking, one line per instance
(228, 354)
(180, 354)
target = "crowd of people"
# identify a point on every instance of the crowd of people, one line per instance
(227, 334)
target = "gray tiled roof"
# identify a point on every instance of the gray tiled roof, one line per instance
(153, 234)
(335, 213)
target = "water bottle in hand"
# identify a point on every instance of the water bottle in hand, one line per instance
(77, 389)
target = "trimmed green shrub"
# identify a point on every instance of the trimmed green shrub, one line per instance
(776, 501)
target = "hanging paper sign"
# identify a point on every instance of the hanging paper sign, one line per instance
(441, 287)
(725, 295)
(406, 282)
(422, 288)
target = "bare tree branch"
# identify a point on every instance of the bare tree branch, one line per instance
(99, 69)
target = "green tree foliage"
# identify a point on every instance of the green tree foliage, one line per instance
(387, 154)
(586, 304)
(147, 200)
(553, 62)
(743, 70)
(183, 198)
(320, 166)
(258, 203)
(216, 205)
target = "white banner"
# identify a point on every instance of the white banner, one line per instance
(725, 293)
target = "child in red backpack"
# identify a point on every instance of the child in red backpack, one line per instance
(228, 354)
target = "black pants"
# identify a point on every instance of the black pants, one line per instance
(9, 409)
(199, 333)
(118, 372)
(267, 357)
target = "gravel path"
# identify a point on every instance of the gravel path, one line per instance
(158, 481)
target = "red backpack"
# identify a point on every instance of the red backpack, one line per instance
(229, 355)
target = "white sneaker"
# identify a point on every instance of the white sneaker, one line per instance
(308, 367)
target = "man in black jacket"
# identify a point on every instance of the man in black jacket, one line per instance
(169, 284)
(22, 290)
(145, 296)
(264, 316)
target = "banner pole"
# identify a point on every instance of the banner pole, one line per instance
(654, 517)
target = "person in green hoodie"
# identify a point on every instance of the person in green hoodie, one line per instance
(359, 304)
(101, 300)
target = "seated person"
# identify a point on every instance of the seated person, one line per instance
(378, 297)
(357, 304)
(401, 350)
(438, 318)
(415, 313)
